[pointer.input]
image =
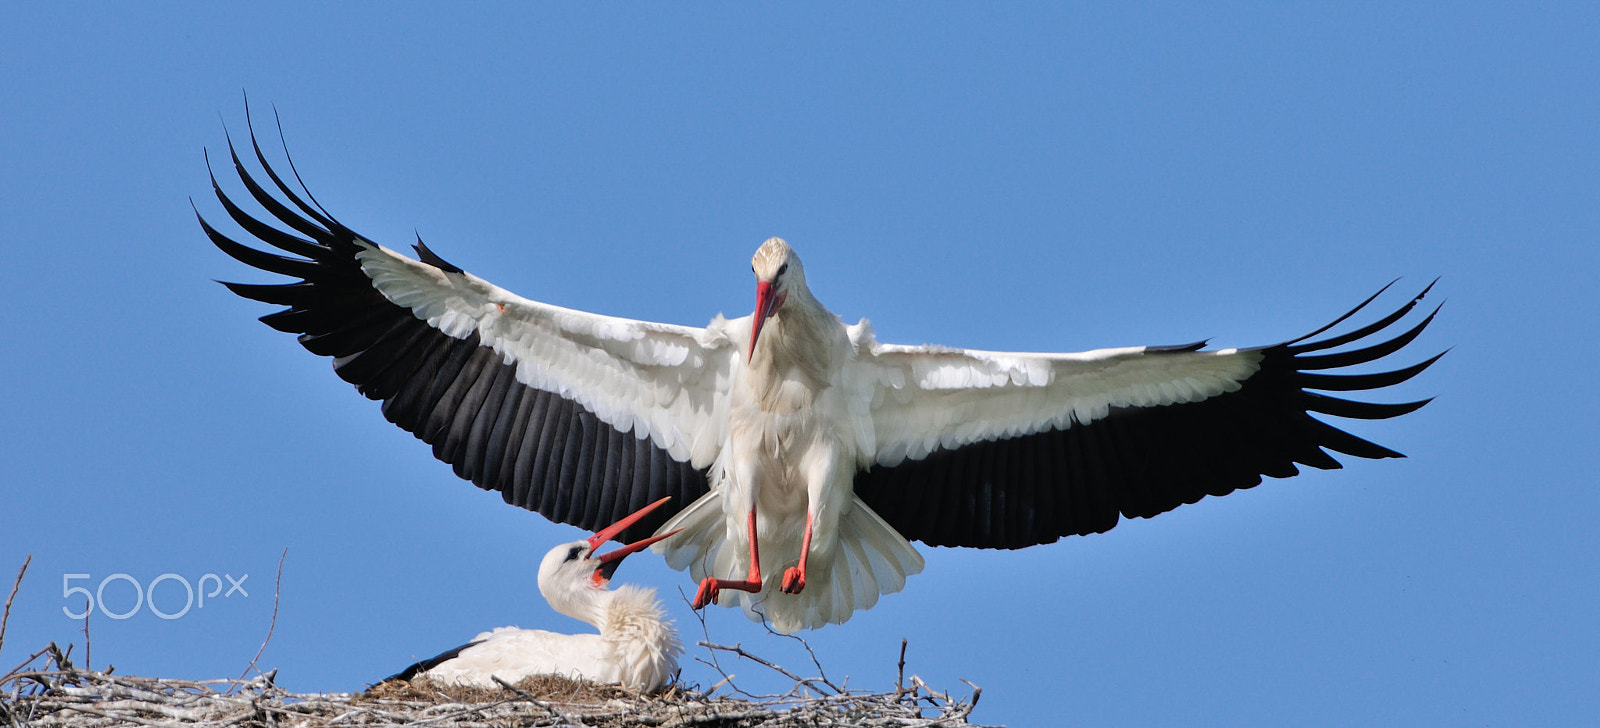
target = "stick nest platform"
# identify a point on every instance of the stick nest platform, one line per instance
(48, 690)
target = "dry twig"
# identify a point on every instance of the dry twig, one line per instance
(6, 617)
(276, 586)
(900, 674)
(86, 643)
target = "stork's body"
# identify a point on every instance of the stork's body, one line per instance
(783, 480)
(637, 647)
(809, 454)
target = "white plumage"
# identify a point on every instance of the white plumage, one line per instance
(636, 647)
(832, 450)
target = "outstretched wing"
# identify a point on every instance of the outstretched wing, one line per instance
(581, 417)
(999, 450)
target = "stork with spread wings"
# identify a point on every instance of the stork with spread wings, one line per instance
(801, 455)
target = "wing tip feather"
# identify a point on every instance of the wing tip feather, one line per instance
(426, 255)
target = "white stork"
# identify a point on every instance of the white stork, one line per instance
(636, 648)
(807, 452)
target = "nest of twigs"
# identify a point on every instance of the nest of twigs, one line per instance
(49, 690)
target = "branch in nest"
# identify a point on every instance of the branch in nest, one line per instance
(821, 674)
(531, 700)
(6, 617)
(727, 679)
(740, 651)
(276, 588)
(860, 707)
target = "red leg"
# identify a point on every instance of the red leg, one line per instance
(794, 579)
(710, 587)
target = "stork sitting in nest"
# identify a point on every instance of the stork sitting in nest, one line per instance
(636, 648)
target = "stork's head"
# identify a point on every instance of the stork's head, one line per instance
(572, 574)
(778, 272)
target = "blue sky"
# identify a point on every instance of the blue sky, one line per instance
(1019, 176)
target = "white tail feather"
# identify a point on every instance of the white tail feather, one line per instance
(871, 559)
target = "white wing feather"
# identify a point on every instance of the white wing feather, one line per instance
(658, 380)
(928, 398)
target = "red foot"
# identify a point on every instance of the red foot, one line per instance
(711, 589)
(708, 593)
(794, 577)
(794, 580)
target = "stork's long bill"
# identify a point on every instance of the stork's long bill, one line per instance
(800, 481)
(610, 560)
(768, 299)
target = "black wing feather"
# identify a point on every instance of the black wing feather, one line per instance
(415, 669)
(1144, 461)
(541, 452)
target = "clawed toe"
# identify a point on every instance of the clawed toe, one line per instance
(708, 593)
(794, 580)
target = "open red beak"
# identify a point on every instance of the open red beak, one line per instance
(766, 302)
(611, 560)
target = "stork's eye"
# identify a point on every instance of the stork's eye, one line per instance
(783, 268)
(572, 554)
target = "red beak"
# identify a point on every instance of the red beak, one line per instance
(766, 302)
(611, 560)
